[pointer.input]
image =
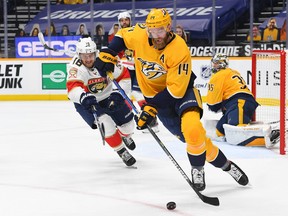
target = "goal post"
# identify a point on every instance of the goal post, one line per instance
(269, 86)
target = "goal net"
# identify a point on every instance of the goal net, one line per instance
(269, 86)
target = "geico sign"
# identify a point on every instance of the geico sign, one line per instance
(35, 48)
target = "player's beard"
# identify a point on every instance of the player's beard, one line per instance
(160, 43)
(88, 64)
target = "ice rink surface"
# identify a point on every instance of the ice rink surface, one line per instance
(53, 164)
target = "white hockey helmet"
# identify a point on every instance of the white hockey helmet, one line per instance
(86, 45)
(124, 15)
(219, 61)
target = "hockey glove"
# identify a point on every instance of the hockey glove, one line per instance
(87, 100)
(106, 61)
(146, 117)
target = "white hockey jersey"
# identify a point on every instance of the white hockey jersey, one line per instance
(81, 79)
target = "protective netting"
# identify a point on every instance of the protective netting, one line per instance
(269, 87)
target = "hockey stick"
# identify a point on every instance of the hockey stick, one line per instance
(209, 200)
(42, 40)
(100, 126)
(71, 53)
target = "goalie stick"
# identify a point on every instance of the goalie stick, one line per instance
(209, 200)
(70, 53)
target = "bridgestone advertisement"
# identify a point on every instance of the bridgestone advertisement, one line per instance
(46, 78)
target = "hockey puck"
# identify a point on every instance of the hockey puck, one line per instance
(171, 205)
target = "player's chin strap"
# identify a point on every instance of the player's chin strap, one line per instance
(209, 200)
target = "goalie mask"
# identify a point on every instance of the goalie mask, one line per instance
(219, 61)
(86, 45)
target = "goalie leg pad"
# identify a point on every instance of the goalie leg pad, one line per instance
(249, 135)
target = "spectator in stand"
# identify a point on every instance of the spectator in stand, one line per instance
(58, 2)
(113, 31)
(52, 30)
(35, 30)
(82, 30)
(180, 31)
(283, 32)
(65, 30)
(75, 1)
(100, 39)
(256, 34)
(271, 32)
(20, 33)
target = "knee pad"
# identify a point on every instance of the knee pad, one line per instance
(127, 129)
(193, 132)
(109, 125)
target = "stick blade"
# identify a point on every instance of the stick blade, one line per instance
(210, 200)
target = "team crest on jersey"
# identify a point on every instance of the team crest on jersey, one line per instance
(206, 72)
(73, 73)
(151, 70)
(96, 85)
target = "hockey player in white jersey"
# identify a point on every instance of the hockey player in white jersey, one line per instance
(92, 93)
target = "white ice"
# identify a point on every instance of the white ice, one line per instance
(53, 164)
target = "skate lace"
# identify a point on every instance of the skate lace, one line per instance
(128, 140)
(126, 156)
(198, 176)
(235, 173)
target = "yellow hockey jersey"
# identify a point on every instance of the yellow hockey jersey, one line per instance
(223, 85)
(158, 69)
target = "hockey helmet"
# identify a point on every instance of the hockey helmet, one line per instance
(124, 15)
(86, 45)
(219, 61)
(158, 18)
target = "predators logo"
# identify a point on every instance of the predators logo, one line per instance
(151, 70)
(97, 85)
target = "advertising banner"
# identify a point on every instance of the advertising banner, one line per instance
(45, 79)
(28, 47)
(33, 79)
(54, 75)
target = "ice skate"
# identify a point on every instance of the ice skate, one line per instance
(127, 158)
(273, 138)
(198, 179)
(237, 174)
(129, 142)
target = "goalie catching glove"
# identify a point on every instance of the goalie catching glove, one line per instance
(146, 117)
(106, 61)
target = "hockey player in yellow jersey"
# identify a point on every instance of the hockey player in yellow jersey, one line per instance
(163, 71)
(228, 92)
